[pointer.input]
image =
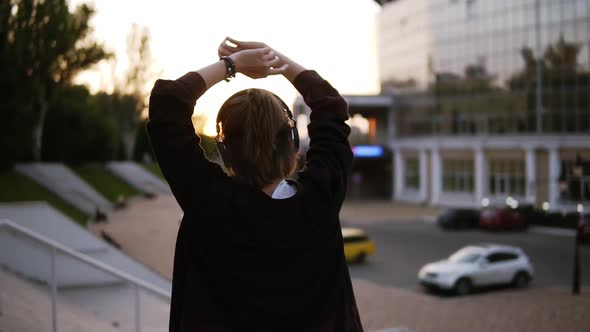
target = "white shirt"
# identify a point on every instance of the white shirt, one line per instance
(284, 190)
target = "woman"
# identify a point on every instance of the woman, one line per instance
(255, 251)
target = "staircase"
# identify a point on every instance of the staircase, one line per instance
(53, 287)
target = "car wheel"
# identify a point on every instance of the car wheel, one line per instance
(428, 288)
(521, 280)
(463, 287)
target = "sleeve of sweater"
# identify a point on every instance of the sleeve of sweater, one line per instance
(329, 158)
(177, 147)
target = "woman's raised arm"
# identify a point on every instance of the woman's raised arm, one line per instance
(176, 145)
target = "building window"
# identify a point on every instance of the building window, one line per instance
(507, 177)
(412, 176)
(458, 175)
(574, 181)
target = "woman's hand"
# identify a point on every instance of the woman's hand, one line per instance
(289, 68)
(226, 49)
(258, 62)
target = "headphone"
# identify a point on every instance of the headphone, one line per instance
(293, 134)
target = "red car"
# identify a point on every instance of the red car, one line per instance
(503, 218)
(584, 228)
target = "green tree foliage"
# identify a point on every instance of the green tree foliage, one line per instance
(79, 129)
(120, 110)
(42, 46)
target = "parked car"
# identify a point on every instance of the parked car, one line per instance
(536, 216)
(503, 218)
(583, 229)
(477, 266)
(459, 218)
(357, 245)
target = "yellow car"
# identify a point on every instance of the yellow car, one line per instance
(357, 245)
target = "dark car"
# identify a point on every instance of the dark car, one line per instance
(583, 229)
(503, 218)
(459, 219)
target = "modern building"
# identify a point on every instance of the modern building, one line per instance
(490, 102)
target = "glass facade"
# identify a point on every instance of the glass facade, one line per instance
(507, 177)
(470, 67)
(458, 175)
(574, 180)
(412, 173)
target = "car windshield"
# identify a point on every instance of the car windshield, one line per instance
(466, 255)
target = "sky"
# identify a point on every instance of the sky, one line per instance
(335, 38)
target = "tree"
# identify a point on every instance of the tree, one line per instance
(120, 109)
(42, 46)
(140, 75)
(79, 129)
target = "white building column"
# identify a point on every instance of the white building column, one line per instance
(531, 175)
(423, 175)
(398, 173)
(481, 174)
(554, 170)
(435, 175)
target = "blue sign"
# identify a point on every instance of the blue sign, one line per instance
(367, 151)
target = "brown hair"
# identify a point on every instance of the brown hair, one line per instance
(255, 130)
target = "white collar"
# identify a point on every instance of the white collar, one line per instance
(284, 190)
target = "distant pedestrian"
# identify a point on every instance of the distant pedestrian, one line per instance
(256, 250)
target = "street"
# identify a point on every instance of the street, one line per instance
(404, 247)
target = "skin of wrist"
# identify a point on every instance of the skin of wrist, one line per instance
(235, 58)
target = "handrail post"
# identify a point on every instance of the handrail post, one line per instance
(53, 286)
(137, 309)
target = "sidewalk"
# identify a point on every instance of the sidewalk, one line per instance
(147, 231)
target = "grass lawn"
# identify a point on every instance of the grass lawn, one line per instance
(18, 188)
(110, 186)
(154, 169)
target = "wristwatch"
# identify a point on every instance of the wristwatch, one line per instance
(230, 66)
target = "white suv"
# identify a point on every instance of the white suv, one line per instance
(476, 266)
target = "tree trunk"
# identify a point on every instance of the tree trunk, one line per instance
(38, 127)
(129, 143)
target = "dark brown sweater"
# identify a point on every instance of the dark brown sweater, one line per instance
(245, 261)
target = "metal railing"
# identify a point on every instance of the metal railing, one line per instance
(56, 247)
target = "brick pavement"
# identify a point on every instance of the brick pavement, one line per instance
(147, 231)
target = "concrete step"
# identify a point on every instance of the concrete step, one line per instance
(66, 184)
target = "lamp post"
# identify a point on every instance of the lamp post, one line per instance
(576, 279)
(577, 172)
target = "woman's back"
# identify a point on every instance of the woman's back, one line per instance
(245, 261)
